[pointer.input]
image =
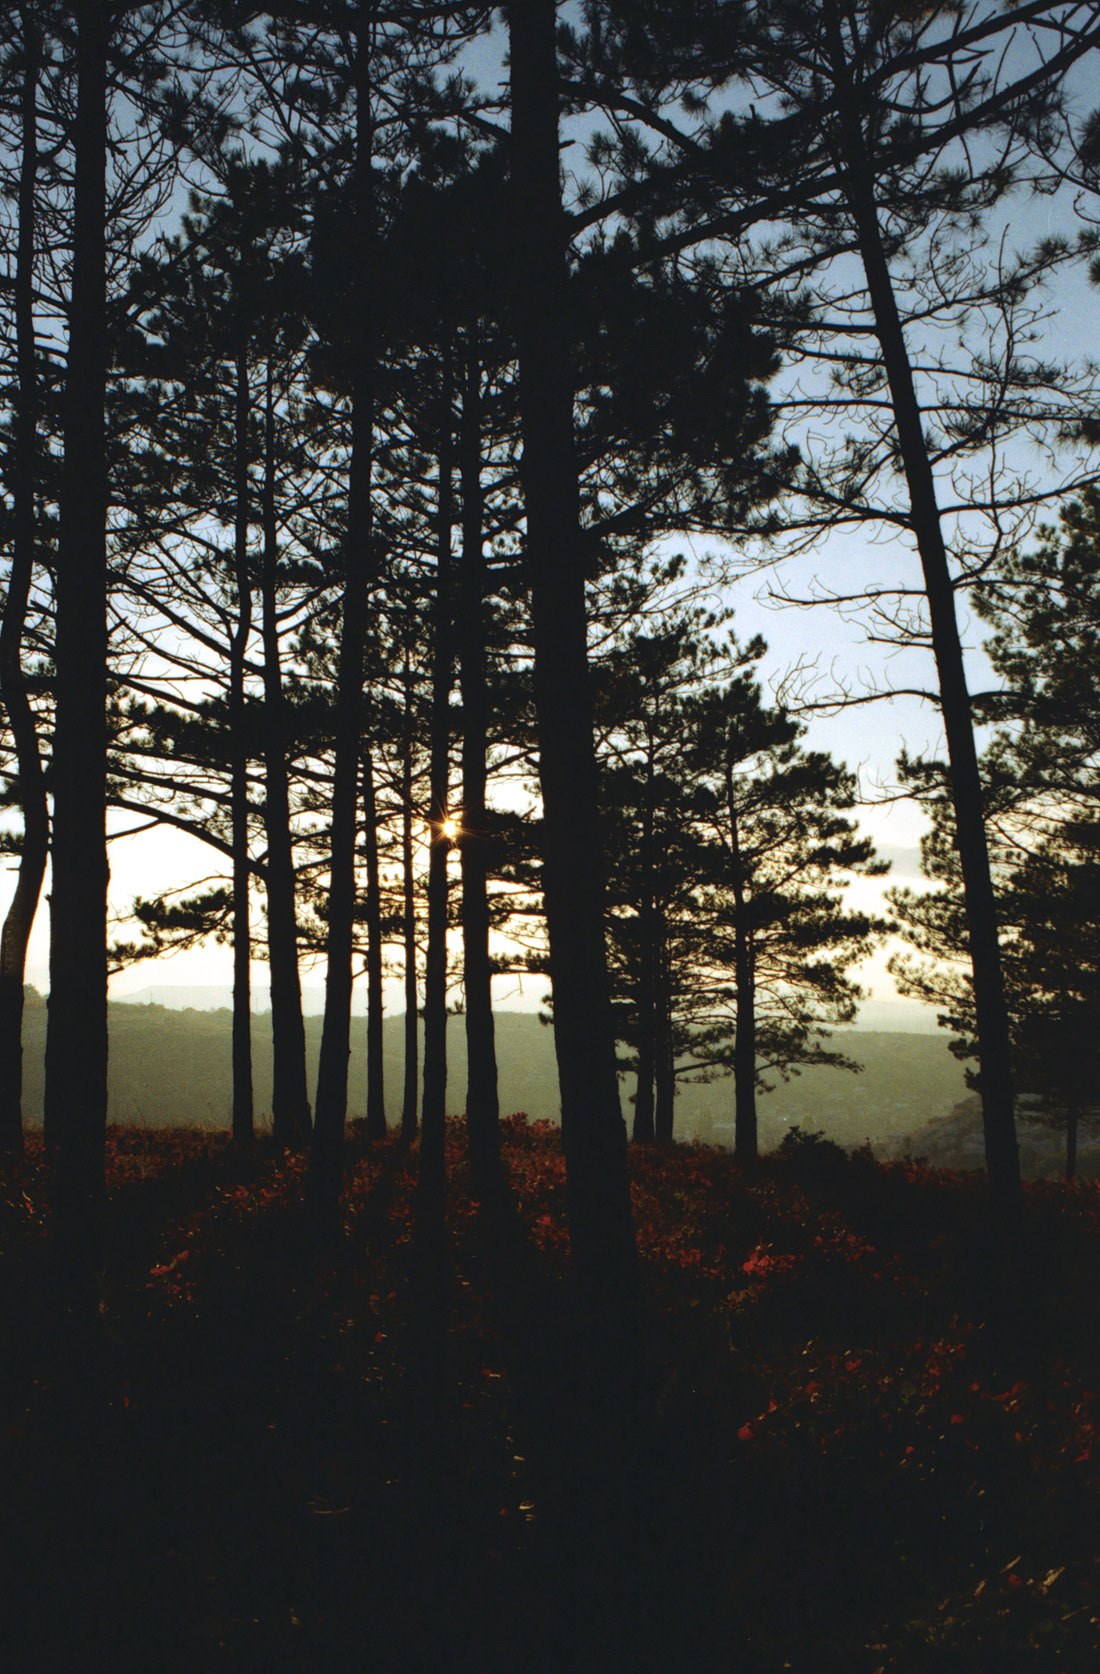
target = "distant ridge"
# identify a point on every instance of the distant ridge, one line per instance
(878, 1016)
(219, 997)
(172, 1065)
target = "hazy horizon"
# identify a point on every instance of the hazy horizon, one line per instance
(876, 1015)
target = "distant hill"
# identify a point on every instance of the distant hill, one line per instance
(209, 996)
(954, 1140)
(895, 1016)
(905, 1079)
(173, 1066)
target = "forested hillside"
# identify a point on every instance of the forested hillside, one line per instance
(175, 1068)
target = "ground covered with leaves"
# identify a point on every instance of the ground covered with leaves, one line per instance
(866, 1438)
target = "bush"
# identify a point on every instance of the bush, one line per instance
(814, 1148)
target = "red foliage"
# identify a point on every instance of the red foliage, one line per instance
(743, 1248)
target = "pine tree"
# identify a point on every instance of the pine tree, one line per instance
(1043, 603)
(838, 125)
(76, 1042)
(592, 1126)
(13, 686)
(331, 1106)
(221, 327)
(778, 817)
(731, 846)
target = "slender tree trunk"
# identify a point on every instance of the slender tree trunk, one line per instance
(600, 1461)
(243, 1127)
(408, 881)
(376, 1088)
(593, 1131)
(332, 1076)
(76, 1042)
(1073, 1117)
(745, 1132)
(32, 790)
(644, 1116)
(482, 1098)
(998, 1113)
(433, 1108)
(290, 1118)
(644, 1131)
(664, 1063)
(746, 1141)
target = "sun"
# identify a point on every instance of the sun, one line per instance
(449, 828)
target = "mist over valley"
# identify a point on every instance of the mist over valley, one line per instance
(172, 1066)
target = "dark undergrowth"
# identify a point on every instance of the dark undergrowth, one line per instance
(864, 1437)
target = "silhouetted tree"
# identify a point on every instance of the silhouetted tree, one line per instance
(440, 824)
(76, 1042)
(376, 1092)
(332, 1076)
(482, 1099)
(290, 1113)
(1052, 910)
(654, 862)
(777, 818)
(13, 688)
(221, 316)
(837, 128)
(1043, 603)
(592, 1126)
(732, 844)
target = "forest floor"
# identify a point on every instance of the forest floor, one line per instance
(866, 1436)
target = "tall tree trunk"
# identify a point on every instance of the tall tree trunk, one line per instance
(664, 1063)
(32, 790)
(433, 1108)
(408, 884)
(376, 1087)
(644, 1130)
(332, 1075)
(599, 1460)
(76, 1041)
(745, 1132)
(746, 1143)
(644, 1114)
(243, 1126)
(482, 1097)
(290, 1118)
(1073, 1117)
(593, 1132)
(991, 1011)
